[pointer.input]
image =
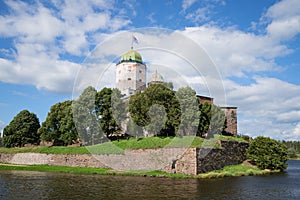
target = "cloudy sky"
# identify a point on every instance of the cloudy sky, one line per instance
(246, 53)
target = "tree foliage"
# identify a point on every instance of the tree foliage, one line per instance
(212, 120)
(146, 111)
(23, 129)
(189, 105)
(59, 126)
(85, 118)
(110, 110)
(268, 153)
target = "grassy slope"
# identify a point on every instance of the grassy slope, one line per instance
(117, 147)
(233, 170)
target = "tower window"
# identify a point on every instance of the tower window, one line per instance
(140, 80)
(129, 79)
(141, 71)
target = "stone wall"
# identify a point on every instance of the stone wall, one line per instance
(83, 160)
(174, 160)
(230, 153)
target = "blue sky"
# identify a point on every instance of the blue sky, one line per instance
(254, 45)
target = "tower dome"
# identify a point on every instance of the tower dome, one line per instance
(156, 78)
(132, 56)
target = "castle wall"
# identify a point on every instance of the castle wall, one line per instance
(174, 160)
(230, 153)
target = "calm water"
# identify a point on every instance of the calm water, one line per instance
(38, 185)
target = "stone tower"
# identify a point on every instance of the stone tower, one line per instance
(131, 73)
(231, 119)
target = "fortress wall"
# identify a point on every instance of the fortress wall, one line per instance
(174, 160)
(230, 153)
(83, 160)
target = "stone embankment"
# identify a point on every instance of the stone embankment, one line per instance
(175, 160)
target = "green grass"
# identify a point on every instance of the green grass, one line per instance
(48, 168)
(118, 147)
(228, 171)
(236, 170)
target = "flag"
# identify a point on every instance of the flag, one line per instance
(134, 39)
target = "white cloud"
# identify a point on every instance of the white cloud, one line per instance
(44, 35)
(200, 15)
(285, 20)
(187, 3)
(264, 109)
(236, 52)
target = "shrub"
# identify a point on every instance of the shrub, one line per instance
(22, 130)
(268, 153)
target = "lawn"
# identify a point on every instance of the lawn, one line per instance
(228, 171)
(118, 147)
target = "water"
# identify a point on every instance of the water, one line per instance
(39, 185)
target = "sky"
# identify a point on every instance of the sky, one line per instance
(247, 53)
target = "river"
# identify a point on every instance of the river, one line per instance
(40, 185)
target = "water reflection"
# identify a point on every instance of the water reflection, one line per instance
(38, 185)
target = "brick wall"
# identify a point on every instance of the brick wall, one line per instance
(174, 160)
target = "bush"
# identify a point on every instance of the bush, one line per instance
(267, 153)
(22, 130)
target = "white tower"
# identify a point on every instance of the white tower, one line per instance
(131, 73)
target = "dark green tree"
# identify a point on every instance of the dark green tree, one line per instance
(268, 153)
(217, 121)
(212, 120)
(158, 116)
(133, 129)
(85, 118)
(141, 103)
(110, 110)
(23, 129)
(204, 119)
(59, 126)
(189, 105)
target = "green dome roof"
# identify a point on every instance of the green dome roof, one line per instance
(132, 56)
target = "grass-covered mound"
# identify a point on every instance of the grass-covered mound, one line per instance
(118, 147)
(236, 170)
(228, 171)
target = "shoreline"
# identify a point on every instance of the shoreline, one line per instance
(228, 171)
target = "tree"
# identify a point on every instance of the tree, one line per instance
(156, 95)
(133, 129)
(204, 119)
(110, 110)
(190, 113)
(23, 129)
(85, 118)
(158, 116)
(268, 153)
(212, 120)
(59, 126)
